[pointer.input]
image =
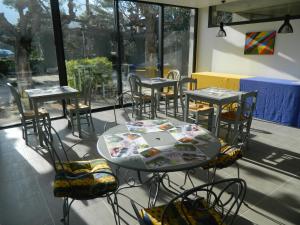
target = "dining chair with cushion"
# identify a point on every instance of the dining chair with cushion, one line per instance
(215, 203)
(195, 107)
(229, 154)
(240, 116)
(28, 116)
(84, 105)
(79, 179)
(140, 99)
(168, 93)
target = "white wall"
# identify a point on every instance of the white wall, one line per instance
(227, 54)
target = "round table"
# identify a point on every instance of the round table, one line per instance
(155, 139)
(162, 138)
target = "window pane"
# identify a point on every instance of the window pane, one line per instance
(139, 27)
(27, 54)
(178, 39)
(90, 48)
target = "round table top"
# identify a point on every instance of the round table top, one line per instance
(206, 145)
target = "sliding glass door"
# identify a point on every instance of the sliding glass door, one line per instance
(139, 30)
(179, 24)
(102, 39)
(90, 48)
(27, 55)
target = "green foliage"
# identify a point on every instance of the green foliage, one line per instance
(6, 66)
(99, 67)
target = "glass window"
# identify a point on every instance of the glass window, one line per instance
(139, 23)
(178, 39)
(90, 47)
(27, 54)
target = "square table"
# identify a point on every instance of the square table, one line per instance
(158, 84)
(39, 95)
(214, 96)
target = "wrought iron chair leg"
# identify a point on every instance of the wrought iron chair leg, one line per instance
(156, 184)
(238, 169)
(114, 202)
(66, 211)
(187, 176)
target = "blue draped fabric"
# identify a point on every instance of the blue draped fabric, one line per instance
(278, 100)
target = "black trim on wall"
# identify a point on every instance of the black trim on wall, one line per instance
(210, 24)
(195, 40)
(119, 46)
(58, 37)
(161, 40)
(161, 4)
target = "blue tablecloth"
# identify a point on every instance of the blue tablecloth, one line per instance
(278, 100)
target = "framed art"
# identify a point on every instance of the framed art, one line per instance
(260, 43)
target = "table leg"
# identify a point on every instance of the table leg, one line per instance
(152, 103)
(78, 117)
(186, 108)
(210, 118)
(175, 99)
(217, 120)
(37, 122)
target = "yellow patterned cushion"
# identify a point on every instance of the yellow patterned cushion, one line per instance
(227, 156)
(84, 187)
(178, 213)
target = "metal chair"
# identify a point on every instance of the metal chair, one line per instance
(79, 180)
(28, 117)
(122, 102)
(240, 116)
(168, 93)
(84, 107)
(213, 203)
(139, 98)
(197, 108)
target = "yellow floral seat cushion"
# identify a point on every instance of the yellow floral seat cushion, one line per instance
(231, 116)
(227, 156)
(180, 213)
(74, 180)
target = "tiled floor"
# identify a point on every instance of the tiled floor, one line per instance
(270, 168)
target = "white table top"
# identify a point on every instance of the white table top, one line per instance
(215, 93)
(157, 80)
(50, 91)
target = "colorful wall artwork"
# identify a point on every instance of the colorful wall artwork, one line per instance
(260, 43)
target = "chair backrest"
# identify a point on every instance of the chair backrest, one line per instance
(244, 109)
(58, 153)
(248, 101)
(224, 196)
(135, 84)
(122, 101)
(86, 93)
(81, 72)
(174, 75)
(186, 83)
(17, 98)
